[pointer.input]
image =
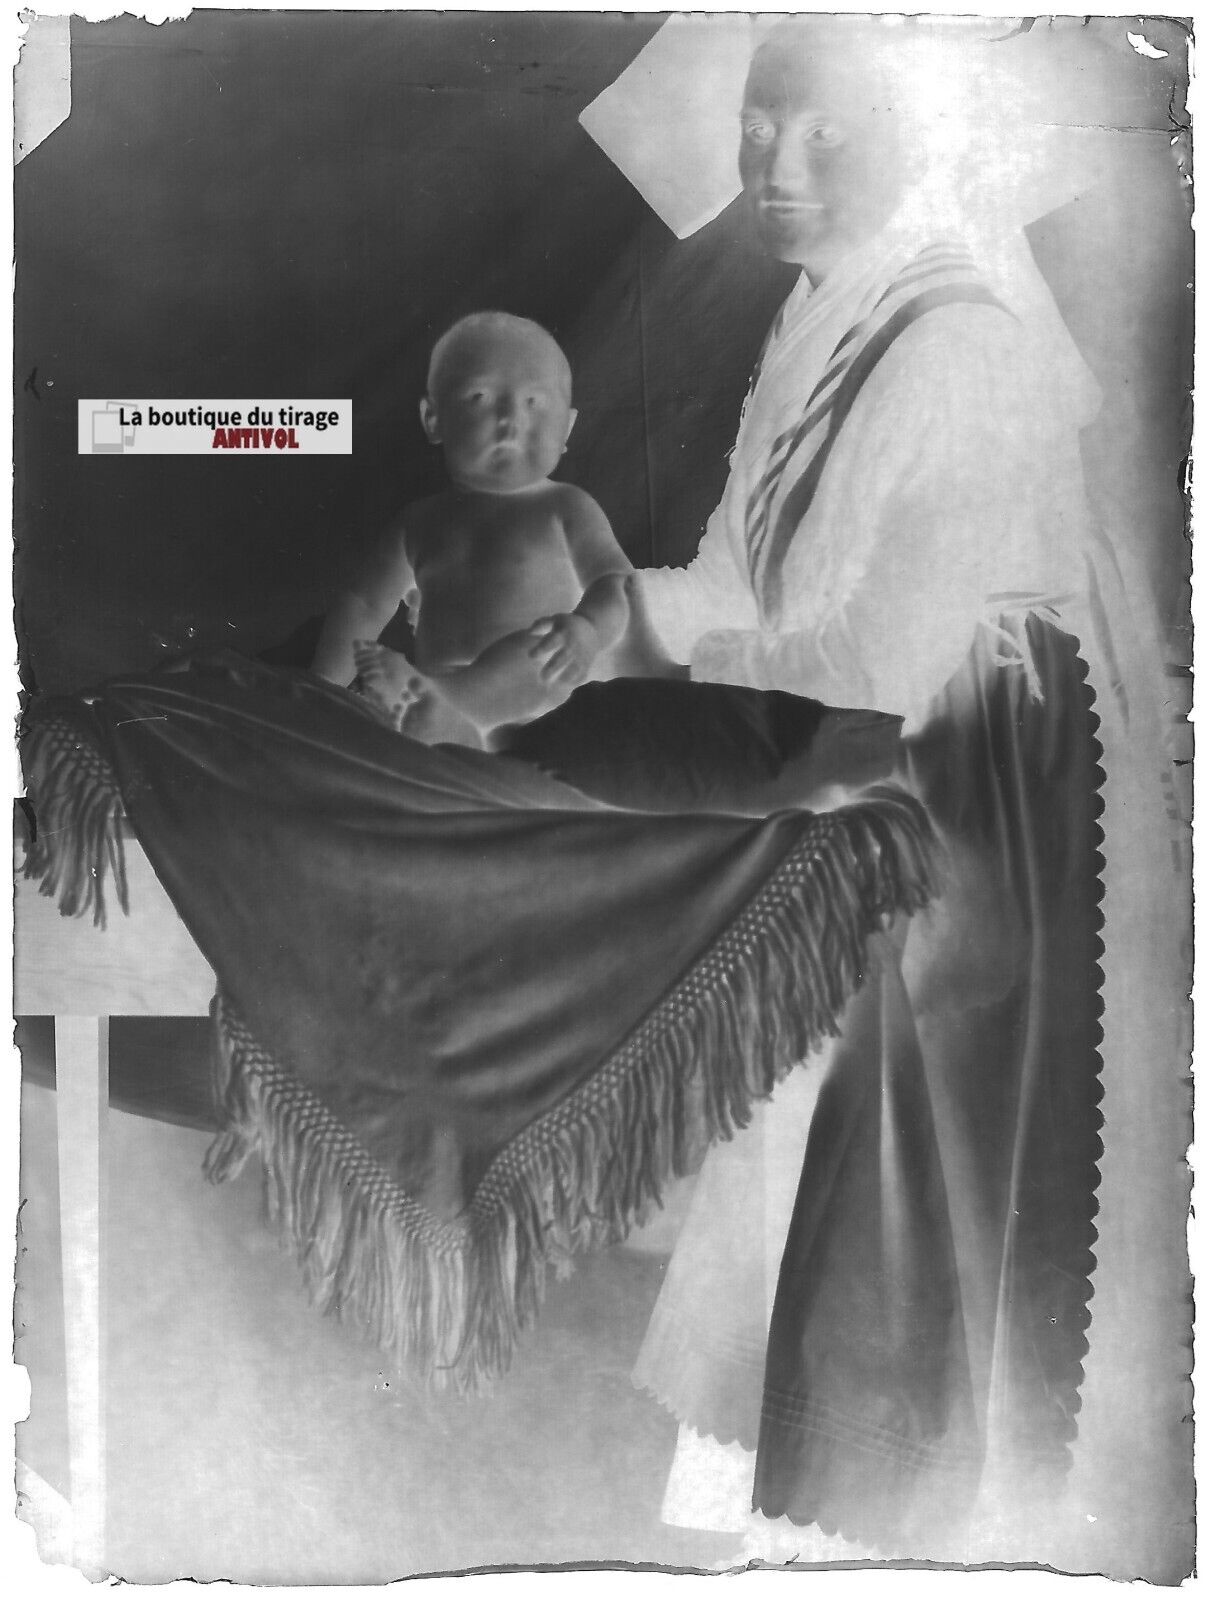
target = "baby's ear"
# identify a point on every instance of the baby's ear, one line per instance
(430, 420)
(569, 427)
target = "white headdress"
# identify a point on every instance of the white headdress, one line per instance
(984, 92)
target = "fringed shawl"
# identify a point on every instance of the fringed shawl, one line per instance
(470, 1017)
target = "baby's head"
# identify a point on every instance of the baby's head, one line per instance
(498, 400)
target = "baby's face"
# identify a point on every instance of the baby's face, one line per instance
(502, 413)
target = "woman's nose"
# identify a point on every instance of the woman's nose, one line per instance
(789, 164)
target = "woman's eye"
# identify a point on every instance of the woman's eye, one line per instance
(758, 131)
(826, 134)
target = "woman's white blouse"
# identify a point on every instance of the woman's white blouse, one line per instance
(951, 495)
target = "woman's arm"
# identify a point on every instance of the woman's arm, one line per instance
(681, 604)
(891, 648)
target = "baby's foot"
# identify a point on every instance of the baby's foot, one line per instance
(392, 683)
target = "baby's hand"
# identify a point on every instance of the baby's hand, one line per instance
(564, 647)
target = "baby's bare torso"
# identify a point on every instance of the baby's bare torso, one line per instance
(486, 566)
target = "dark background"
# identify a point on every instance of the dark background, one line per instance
(295, 204)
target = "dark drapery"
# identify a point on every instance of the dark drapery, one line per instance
(962, 1110)
(472, 1016)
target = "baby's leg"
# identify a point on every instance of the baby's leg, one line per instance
(503, 686)
(389, 680)
(409, 699)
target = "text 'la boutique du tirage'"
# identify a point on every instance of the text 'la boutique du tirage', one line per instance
(259, 432)
(194, 416)
(204, 427)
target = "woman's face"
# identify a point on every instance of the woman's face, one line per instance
(822, 155)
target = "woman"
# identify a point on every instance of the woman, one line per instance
(904, 528)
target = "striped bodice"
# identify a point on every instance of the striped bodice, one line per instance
(940, 275)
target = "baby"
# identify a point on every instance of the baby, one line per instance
(516, 588)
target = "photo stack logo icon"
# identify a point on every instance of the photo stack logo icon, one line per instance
(110, 435)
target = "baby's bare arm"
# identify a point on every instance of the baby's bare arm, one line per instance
(613, 601)
(602, 567)
(364, 608)
(568, 644)
(640, 653)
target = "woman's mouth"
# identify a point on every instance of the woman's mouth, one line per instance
(790, 208)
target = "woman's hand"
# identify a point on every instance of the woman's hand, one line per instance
(723, 656)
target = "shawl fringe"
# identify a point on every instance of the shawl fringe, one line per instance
(451, 1299)
(76, 840)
